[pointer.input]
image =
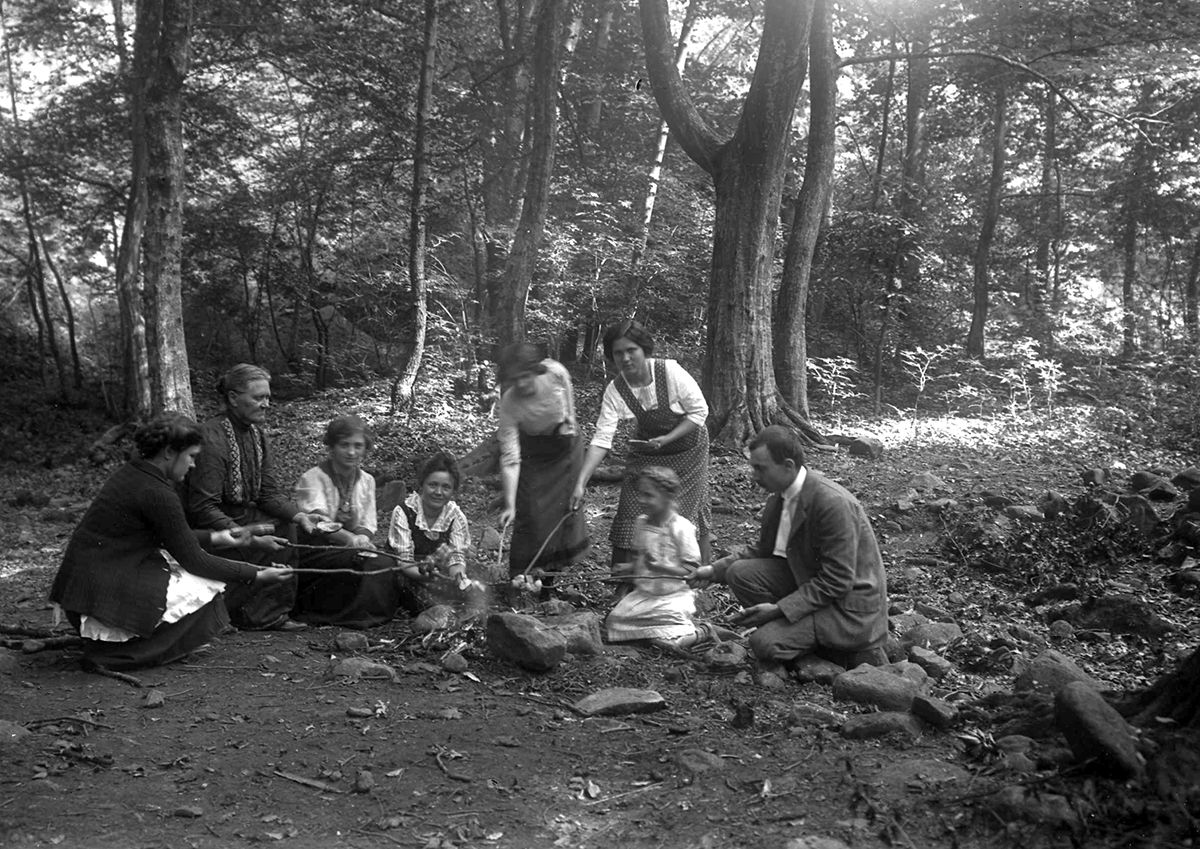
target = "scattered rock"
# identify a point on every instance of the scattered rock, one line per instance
(866, 446)
(1026, 635)
(357, 668)
(9, 663)
(1015, 743)
(906, 669)
(1061, 629)
(699, 762)
(894, 649)
(866, 726)
(927, 482)
(1139, 513)
(454, 662)
(1096, 732)
(812, 668)
(873, 685)
(1162, 490)
(934, 613)
(351, 641)
(725, 657)
(1049, 672)
(937, 712)
(743, 715)
(941, 505)
(153, 699)
(435, 618)
(1055, 592)
(995, 500)
(1121, 614)
(932, 635)
(360, 712)
(1017, 803)
(619, 701)
(902, 623)
(936, 666)
(1143, 480)
(1094, 477)
(771, 679)
(1024, 511)
(364, 781)
(580, 629)
(806, 713)
(523, 640)
(188, 812)
(29, 498)
(555, 607)
(491, 539)
(1054, 504)
(813, 842)
(11, 732)
(1188, 479)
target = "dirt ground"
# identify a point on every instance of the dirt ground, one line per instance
(253, 744)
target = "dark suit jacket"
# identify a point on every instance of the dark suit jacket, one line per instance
(835, 560)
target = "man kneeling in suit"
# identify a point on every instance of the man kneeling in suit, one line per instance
(815, 581)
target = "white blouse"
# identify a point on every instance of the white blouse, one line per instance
(551, 404)
(683, 396)
(317, 493)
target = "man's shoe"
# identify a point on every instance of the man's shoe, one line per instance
(291, 625)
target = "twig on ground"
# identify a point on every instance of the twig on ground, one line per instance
(100, 669)
(654, 786)
(309, 782)
(456, 776)
(37, 723)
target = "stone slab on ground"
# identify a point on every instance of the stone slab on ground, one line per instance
(1096, 732)
(937, 712)
(620, 701)
(581, 630)
(525, 641)
(868, 726)
(875, 686)
(811, 668)
(935, 666)
(1049, 672)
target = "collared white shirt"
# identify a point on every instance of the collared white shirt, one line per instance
(787, 509)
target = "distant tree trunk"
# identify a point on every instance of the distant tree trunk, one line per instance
(1191, 294)
(162, 250)
(1048, 205)
(884, 128)
(660, 150)
(748, 174)
(402, 390)
(68, 313)
(589, 118)
(1128, 242)
(791, 341)
(989, 219)
(522, 259)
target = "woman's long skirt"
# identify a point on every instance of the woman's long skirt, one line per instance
(348, 601)
(549, 466)
(169, 642)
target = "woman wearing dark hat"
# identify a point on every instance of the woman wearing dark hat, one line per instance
(540, 458)
(670, 411)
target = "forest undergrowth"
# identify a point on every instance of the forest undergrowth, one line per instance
(946, 498)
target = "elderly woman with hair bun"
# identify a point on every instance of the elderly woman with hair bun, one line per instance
(234, 485)
(540, 457)
(343, 493)
(134, 580)
(670, 412)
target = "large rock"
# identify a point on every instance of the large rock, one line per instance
(932, 635)
(935, 666)
(907, 669)
(619, 701)
(1050, 672)
(439, 617)
(806, 713)
(525, 641)
(1188, 479)
(866, 446)
(1096, 732)
(1017, 803)
(1121, 613)
(812, 668)
(11, 732)
(937, 712)
(580, 629)
(1138, 513)
(876, 686)
(357, 668)
(867, 726)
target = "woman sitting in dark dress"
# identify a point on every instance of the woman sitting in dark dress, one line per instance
(339, 491)
(134, 580)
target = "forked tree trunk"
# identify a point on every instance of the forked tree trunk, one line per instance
(791, 341)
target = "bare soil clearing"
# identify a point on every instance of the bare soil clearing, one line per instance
(253, 744)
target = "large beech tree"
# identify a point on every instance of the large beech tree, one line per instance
(747, 171)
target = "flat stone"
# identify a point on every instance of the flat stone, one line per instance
(1093, 477)
(937, 614)
(1096, 732)
(726, 657)
(435, 618)
(814, 842)
(351, 641)
(152, 699)
(620, 701)
(1061, 629)
(1049, 672)
(454, 662)
(866, 446)
(581, 630)
(867, 726)
(935, 666)
(1189, 478)
(874, 685)
(927, 482)
(995, 500)
(1055, 592)
(1121, 613)
(525, 641)
(11, 732)
(1138, 513)
(937, 712)
(932, 635)
(1024, 511)
(1017, 803)
(1054, 504)
(806, 713)
(1143, 480)
(357, 668)
(699, 761)
(907, 669)
(902, 623)
(1016, 743)
(811, 668)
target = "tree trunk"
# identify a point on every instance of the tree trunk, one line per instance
(1047, 205)
(68, 313)
(1191, 294)
(748, 173)
(1128, 241)
(522, 258)
(791, 342)
(589, 118)
(402, 391)
(990, 218)
(884, 126)
(162, 260)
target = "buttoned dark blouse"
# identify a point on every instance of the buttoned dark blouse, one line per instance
(113, 569)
